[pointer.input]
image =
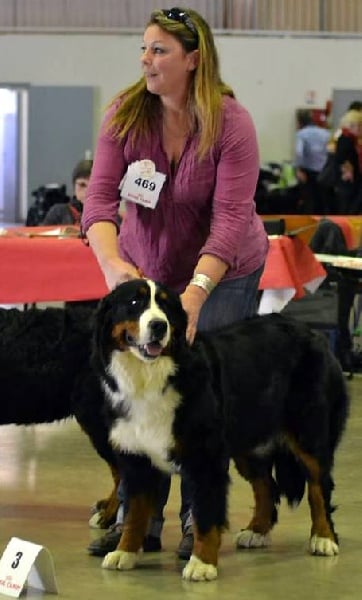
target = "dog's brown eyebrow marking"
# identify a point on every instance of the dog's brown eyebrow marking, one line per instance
(164, 295)
(143, 290)
(120, 329)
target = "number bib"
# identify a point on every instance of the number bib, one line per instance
(142, 184)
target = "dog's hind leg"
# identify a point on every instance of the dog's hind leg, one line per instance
(88, 408)
(105, 510)
(256, 534)
(323, 540)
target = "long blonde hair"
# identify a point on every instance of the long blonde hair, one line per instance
(351, 117)
(139, 109)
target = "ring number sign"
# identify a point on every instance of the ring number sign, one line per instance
(24, 563)
(142, 184)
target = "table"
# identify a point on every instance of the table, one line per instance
(346, 271)
(45, 269)
(353, 263)
(290, 269)
(305, 226)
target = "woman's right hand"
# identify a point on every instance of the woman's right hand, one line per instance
(118, 271)
(103, 240)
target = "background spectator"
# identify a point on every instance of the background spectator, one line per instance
(70, 213)
(310, 157)
(348, 175)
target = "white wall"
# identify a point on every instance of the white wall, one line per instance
(271, 76)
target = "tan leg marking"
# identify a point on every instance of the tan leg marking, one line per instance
(206, 546)
(320, 525)
(135, 525)
(264, 506)
(263, 511)
(109, 506)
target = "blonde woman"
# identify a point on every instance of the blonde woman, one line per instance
(182, 152)
(348, 175)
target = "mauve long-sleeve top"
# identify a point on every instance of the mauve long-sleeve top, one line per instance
(205, 207)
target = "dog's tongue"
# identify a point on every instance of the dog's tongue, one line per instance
(153, 349)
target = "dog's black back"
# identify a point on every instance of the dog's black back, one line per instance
(270, 371)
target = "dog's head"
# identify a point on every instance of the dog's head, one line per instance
(142, 317)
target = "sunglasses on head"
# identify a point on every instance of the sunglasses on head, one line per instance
(175, 14)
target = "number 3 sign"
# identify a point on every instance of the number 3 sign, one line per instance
(24, 562)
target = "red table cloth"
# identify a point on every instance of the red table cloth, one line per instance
(44, 269)
(290, 269)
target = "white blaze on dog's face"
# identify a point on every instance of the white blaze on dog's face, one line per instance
(154, 329)
(146, 331)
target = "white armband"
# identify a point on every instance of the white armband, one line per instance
(204, 282)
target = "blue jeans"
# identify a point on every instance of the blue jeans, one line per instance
(232, 300)
(229, 302)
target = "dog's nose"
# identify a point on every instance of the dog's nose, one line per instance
(158, 328)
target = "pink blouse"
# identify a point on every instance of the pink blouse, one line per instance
(205, 206)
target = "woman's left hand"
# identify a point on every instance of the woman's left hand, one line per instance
(192, 300)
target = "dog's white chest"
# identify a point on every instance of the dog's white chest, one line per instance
(150, 405)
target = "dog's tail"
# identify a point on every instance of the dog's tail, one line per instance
(290, 476)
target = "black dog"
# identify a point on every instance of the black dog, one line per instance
(266, 392)
(45, 376)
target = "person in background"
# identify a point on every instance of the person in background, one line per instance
(180, 134)
(70, 213)
(348, 174)
(310, 156)
(357, 105)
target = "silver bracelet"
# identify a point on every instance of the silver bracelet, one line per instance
(203, 281)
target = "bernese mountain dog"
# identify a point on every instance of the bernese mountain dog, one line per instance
(45, 376)
(266, 392)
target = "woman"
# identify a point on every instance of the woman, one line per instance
(182, 152)
(348, 175)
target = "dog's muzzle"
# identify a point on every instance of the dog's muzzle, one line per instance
(156, 340)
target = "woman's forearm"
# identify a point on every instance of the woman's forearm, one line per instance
(212, 266)
(102, 238)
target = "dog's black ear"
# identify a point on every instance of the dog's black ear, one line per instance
(101, 335)
(178, 321)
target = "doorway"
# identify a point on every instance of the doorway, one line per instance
(12, 153)
(44, 132)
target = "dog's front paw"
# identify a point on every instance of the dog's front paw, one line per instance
(123, 561)
(246, 538)
(322, 546)
(196, 570)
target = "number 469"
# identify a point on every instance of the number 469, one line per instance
(146, 184)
